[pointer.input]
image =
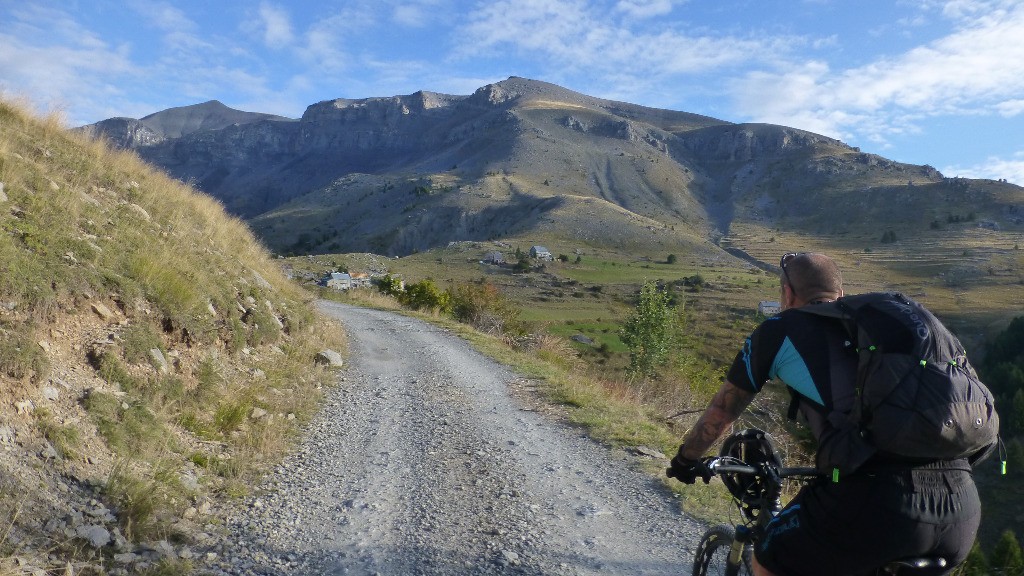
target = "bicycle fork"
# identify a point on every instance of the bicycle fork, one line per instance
(744, 537)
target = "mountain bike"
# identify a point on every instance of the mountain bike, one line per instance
(753, 473)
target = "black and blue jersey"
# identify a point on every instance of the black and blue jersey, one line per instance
(810, 354)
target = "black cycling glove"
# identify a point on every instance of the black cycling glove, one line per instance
(687, 470)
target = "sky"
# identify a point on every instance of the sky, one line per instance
(938, 82)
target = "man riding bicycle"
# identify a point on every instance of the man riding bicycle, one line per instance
(885, 510)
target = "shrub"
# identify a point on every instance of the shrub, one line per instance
(20, 357)
(485, 308)
(390, 286)
(137, 340)
(237, 335)
(229, 416)
(264, 327)
(127, 428)
(426, 295)
(64, 439)
(111, 369)
(209, 380)
(168, 389)
(136, 499)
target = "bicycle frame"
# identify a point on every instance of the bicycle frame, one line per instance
(769, 502)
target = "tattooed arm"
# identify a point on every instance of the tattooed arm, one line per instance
(724, 409)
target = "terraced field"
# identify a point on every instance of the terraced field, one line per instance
(971, 276)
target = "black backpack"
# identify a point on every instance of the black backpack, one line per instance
(918, 398)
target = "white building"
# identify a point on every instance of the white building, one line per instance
(337, 280)
(540, 253)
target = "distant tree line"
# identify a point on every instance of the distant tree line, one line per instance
(1003, 372)
(953, 219)
(1005, 558)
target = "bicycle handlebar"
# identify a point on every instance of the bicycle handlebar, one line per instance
(725, 464)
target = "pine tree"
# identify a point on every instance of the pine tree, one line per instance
(976, 563)
(1007, 557)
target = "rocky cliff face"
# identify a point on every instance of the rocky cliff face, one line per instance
(127, 133)
(746, 142)
(506, 159)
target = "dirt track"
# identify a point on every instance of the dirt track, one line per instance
(423, 461)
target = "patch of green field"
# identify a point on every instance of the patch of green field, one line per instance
(602, 333)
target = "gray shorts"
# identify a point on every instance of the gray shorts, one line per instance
(866, 520)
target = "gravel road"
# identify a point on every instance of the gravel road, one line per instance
(425, 460)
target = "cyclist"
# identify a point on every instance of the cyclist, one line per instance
(885, 510)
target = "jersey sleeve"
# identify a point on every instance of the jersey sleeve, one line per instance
(753, 364)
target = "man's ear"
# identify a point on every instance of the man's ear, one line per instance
(788, 296)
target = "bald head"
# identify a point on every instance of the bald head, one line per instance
(813, 277)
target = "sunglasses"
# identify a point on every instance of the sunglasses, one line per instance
(782, 264)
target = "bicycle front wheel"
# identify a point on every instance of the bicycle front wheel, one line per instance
(712, 558)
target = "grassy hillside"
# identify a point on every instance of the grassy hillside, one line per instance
(153, 358)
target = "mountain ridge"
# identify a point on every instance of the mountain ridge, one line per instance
(402, 174)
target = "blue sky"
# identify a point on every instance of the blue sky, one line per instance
(937, 82)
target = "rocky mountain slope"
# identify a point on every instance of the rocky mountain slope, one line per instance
(174, 123)
(400, 174)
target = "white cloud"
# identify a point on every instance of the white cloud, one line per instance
(48, 57)
(970, 10)
(1011, 108)
(325, 49)
(644, 8)
(421, 13)
(411, 15)
(164, 16)
(569, 36)
(181, 34)
(979, 68)
(994, 168)
(276, 25)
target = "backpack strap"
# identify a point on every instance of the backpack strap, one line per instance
(794, 404)
(837, 310)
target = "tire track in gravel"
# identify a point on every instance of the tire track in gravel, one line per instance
(422, 462)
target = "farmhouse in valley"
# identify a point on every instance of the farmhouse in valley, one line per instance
(345, 281)
(494, 257)
(540, 253)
